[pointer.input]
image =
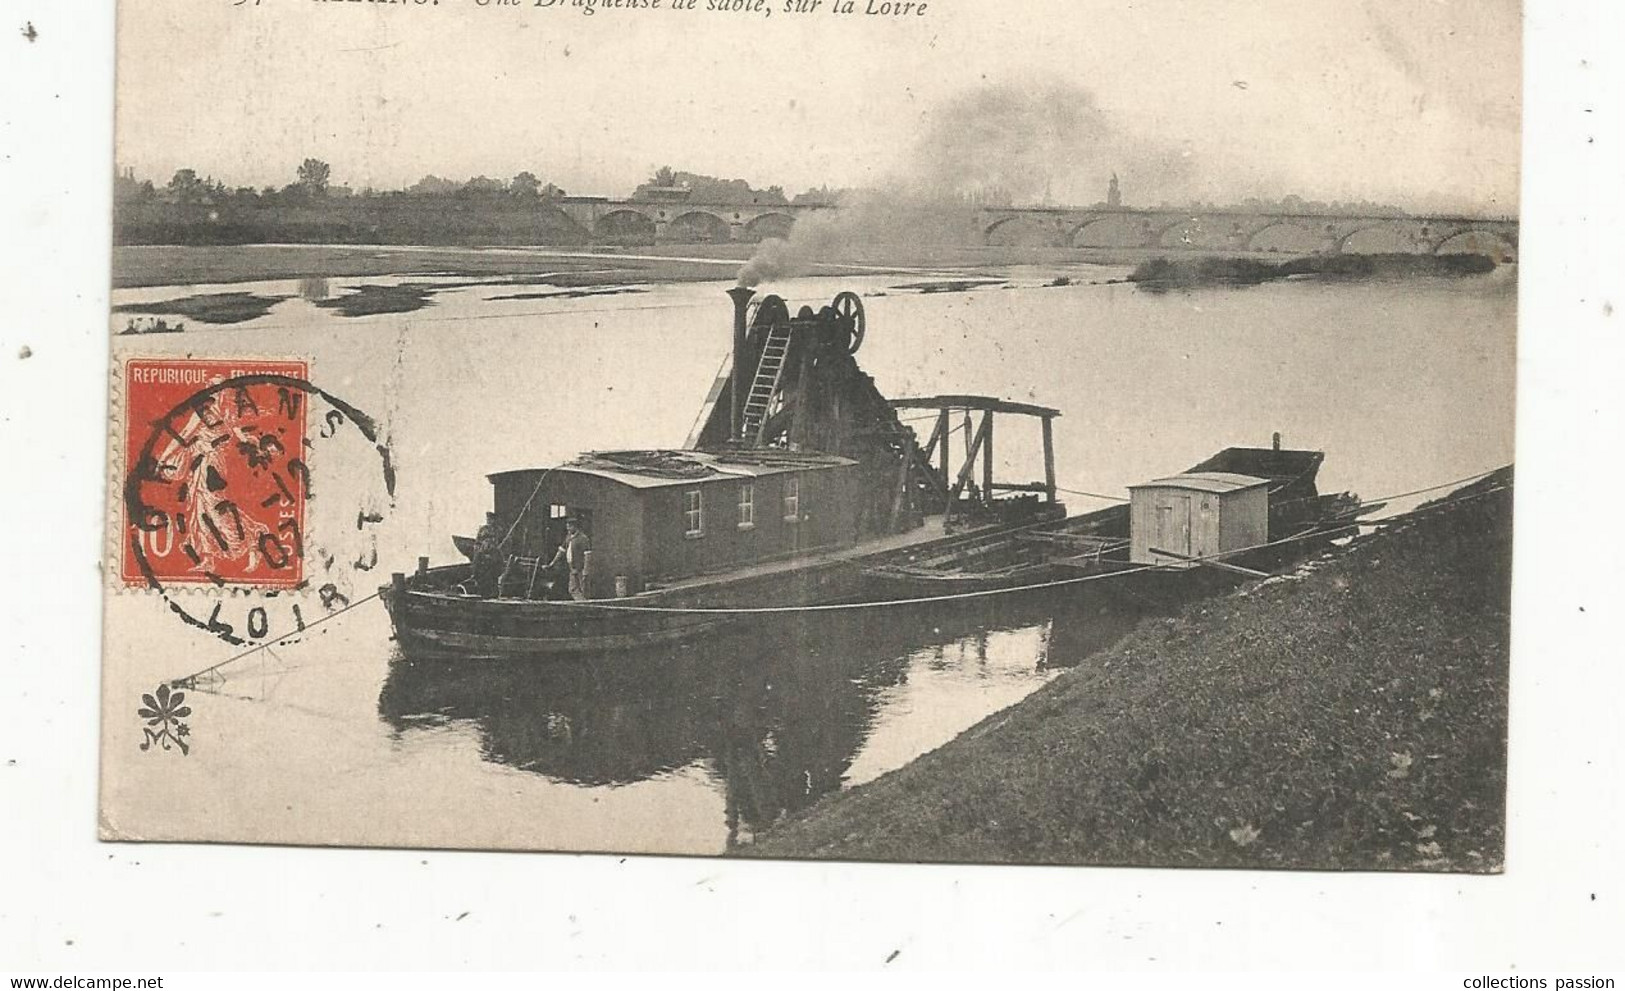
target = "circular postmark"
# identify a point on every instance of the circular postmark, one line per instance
(225, 460)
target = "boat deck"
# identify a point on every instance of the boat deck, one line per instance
(933, 529)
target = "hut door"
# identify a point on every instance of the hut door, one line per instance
(553, 535)
(1173, 532)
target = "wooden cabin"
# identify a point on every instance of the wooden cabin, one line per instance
(1197, 514)
(657, 516)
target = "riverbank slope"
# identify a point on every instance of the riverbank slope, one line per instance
(1351, 716)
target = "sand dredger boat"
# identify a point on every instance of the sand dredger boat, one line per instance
(801, 485)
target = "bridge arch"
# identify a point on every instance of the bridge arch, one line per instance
(1197, 232)
(1287, 237)
(629, 226)
(697, 226)
(1478, 241)
(769, 225)
(1021, 229)
(1117, 230)
(1387, 238)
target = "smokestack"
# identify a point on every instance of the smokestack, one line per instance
(736, 392)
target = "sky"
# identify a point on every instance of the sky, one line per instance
(1412, 102)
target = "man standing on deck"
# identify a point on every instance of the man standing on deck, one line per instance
(572, 554)
(487, 557)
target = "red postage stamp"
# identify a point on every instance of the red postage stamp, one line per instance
(216, 478)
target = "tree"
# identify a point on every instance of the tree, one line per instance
(664, 176)
(432, 185)
(313, 175)
(525, 185)
(481, 186)
(185, 185)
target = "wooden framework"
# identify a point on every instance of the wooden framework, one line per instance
(962, 485)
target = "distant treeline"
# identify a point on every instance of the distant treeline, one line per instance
(197, 210)
(1188, 273)
(387, 219)
(193, 209)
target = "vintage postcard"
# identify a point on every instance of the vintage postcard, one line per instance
(1053, 431)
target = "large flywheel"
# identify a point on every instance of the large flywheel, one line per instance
(849, 308)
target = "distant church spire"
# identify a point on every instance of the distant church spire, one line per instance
(1114, 196)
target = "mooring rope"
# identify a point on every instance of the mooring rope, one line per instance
(1092, 495)
(267, 645)
(526, 507)
(1441, 485)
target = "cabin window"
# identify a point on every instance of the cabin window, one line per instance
(557, 511)
(693, 513)
(792, 498)
(747, 505)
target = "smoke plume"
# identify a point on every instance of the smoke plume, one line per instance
(1007, 144)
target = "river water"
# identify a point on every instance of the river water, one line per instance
(692, 750)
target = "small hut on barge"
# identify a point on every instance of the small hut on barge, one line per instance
(1176, 520)
(654, 516)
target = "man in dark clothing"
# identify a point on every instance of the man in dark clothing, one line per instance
(487, 557)
(572, 555)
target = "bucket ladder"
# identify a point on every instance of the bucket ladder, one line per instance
(765, 386)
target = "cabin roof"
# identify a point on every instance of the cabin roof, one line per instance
(1204, 481)
(665, 468)
(1263, 462)
(991, 403)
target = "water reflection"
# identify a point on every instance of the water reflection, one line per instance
(315, 288)
(775, 714)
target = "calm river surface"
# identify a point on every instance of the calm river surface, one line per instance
(1402, 384)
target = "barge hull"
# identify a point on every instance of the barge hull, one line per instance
(431, 622)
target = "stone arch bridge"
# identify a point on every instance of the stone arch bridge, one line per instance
(1089, 227)
(1239, 231)
(682, 221)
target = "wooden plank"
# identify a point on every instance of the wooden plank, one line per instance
(936, 433)
(1088, 563)
(1071, 539)
(989, 403)
(900, 501)
(987, 458)
(972, 446)
(1212, 563)
(1049, 458)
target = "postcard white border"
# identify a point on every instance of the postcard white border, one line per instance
(85, 906)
